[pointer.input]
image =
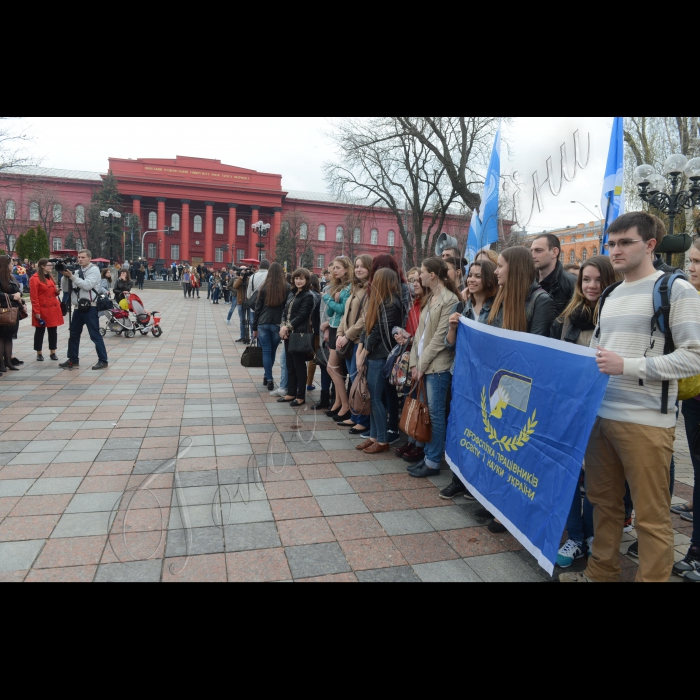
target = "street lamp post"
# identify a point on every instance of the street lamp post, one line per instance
(262, 230)
(652, 188)
(111, 215)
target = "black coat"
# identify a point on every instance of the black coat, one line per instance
(380, 342)
(9, 332)
(119, 288)
(298, 310)
(560, 286)
(268, 315)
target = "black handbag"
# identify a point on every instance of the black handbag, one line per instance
(302, 344)
(253, 356)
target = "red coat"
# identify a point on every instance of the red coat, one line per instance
(45, 302)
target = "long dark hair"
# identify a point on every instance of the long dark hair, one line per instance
(579, 303)
(488, 278)
(384, 287)
(386, 262)
(6, 272)
(40, 271)
(275, 286)
(513, 297)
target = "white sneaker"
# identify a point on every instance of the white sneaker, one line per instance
(589, 542)
(281, 393)
(569, 553)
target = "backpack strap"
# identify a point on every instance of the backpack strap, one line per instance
(662, 322)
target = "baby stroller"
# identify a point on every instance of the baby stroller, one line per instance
(118, 322)
(143, 321)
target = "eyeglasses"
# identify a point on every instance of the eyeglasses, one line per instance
(624, 243)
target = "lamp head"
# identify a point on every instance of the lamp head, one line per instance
(692, 169)
(643, 174)
(675, 165)
(657, 184)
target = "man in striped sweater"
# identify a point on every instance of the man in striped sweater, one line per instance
(633, 439)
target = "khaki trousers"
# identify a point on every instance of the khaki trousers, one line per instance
(640, 455)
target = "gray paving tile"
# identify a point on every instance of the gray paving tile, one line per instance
(162, 432)
(317, 560)
(234, 514)
(118, 455)
(94, 503)
(330, 487)
(132, 572)
(446, 572)
(341, 505)
(351, 469)
(63, 427)
(277, 461)
(7, 457)
(403, 574)
(156, 466)
(83, 525)
(196, 496)
(391, 466)
(55, 487)
(195, 542)
(193, 479)
(405, 522)
(84, 445)
(15, 487)
(19, 556)
(196, 452)
(38, 459)
(504, 568)
(244, 538)
(455, 518)
(41, 446)
(222, 440)
(75, 457)
(123, 444)
(196, 441)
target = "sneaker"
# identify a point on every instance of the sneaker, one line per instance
(100, 366)
(468, 496)
(687, 517)
(633, 551)
(629, 526)
(589, 546)
(228, 323)
(688, 564)
(569, 553)
(367, 435)
(575, 578)
(694, 575)
(280, 393)
(393, 436)
(456, 488)
(682, 509)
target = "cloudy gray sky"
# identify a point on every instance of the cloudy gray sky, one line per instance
(297, 147)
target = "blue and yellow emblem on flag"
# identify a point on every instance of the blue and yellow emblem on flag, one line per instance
(523, 408)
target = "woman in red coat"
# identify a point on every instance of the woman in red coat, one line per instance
(46, 309)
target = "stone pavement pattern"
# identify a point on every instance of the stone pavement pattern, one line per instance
(175, 465)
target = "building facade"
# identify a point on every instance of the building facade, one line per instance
(578, 243)
(190, 209)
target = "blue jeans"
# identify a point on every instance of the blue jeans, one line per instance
(364, 421)
(377, 388)
(691, 411)
(284, 381)
(437, 386)
(241, 315)
(234, 306)
(580, 523)
(217, 295)
(269, 337)
(92, 321)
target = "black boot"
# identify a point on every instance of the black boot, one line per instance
(324, 403)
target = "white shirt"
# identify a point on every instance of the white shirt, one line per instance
(257, 281)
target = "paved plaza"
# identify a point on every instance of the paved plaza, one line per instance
(175, 465)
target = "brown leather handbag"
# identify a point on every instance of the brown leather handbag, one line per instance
(415, 421)
(9, 316)
(360, 399)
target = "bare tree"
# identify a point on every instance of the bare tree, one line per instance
(12, 145)
(354, 226)
(50, 208)
(9, 225)
(293, 242)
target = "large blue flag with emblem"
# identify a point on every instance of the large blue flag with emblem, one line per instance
(523, 408)
(483, 231)
(614, 185)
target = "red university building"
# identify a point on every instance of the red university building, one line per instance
(207, 205)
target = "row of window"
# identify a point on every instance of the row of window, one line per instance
(35, 212)
(340, 235)
(584, 255)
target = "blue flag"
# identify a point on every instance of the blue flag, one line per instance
(614, 186)
(484, 226)
(523, 408)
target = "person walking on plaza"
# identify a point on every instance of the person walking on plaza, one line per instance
(46, 309)
(86, 283)
(195, 281)
(267, 319)
(10, 296)
(241, 289)
(633, 438)
(576, 326)
(296, 318)
(141, 277)
(123, 286)
(560, 285)
(431, 360)
(186, 282)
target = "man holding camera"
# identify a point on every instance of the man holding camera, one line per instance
(85, 285)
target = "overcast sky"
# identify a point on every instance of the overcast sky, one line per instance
(297, 147)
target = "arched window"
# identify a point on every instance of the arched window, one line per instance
(572, 257)
(57, 213)
(561, 257)
(322, 232)
(241, 227)
(375, 237)
(175, 223)
(33, 211)
(357, 236)
(198, 224)
(80, 214)
(304, 232)
(595, 251)
(10, 209)
(220, 223)
(584, 255)
(57, 244)
(153, 221)
(339, 234)
(391, 241)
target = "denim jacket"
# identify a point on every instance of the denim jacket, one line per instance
(469, 314)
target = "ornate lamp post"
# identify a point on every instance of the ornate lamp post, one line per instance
(262, 230)
(111, 215)
(652, 189)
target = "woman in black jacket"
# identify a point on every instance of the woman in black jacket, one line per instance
(9, 297)
(384, 313)
(269, 309)
(123, 284)
(297, 319)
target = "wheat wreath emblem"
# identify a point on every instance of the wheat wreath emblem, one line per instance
(507, 444)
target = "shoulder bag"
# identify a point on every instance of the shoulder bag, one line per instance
(360, 399)
(253, 356)
(9, 316)
(415, 421)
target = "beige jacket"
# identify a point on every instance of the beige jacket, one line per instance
(434, 322)
(352, 312)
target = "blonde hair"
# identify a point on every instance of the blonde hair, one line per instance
(349, 268)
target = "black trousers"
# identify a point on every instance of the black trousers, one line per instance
(39, 334)
(296, 366)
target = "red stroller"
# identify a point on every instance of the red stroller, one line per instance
(143, 321)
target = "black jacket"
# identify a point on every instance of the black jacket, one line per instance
(380, 342)
(540, 312)
(120, 287)
(560, 286)
(268, 315)
(297, 311)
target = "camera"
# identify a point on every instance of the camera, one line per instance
(62, 265)
(245, 273)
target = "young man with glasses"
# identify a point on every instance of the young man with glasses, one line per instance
(633, 438)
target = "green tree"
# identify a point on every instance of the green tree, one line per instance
(283, 248)
(99, 235)
(32, 245)
(308, 259)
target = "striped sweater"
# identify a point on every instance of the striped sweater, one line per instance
(625, 329)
